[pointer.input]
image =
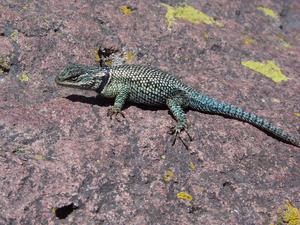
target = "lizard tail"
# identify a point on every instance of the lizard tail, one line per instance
(206, 104)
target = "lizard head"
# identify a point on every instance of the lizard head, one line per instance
(82, 77)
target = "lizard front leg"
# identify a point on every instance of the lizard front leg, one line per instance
(116, 109)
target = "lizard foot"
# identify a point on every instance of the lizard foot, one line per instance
(114, 111)
(176, 132)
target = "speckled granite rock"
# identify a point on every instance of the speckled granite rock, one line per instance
(62, 161)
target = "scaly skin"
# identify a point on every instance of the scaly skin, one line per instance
(154, 87)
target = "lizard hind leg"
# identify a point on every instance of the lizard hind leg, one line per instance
(176, 105)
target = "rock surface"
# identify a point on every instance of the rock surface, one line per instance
(62, 161)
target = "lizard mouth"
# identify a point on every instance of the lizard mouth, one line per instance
(65, 82)
(58, 80)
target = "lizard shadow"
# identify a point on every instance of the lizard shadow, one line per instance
(105, 102)
(94, 100)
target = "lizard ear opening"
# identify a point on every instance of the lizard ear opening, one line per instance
(104, 80)
(100, 74)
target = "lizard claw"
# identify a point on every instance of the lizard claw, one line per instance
(176, 132)
(113, 111)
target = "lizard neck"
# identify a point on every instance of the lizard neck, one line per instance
(104, 82)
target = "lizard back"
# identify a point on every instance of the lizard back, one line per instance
(148, 85)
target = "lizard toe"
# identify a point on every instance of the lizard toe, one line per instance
(113, 113)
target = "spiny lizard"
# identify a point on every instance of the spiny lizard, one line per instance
(154, 87)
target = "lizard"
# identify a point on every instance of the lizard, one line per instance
(154, 87)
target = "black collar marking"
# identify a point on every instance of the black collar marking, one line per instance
(105, 79)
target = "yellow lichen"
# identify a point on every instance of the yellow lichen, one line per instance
(109, 62)
(53, 210)
(291, 215)
(126, 10)
(39, 157)
(249, 41)
(297, 114)
(129, 56)
(285, 44)
(269, 69)
(188, 13)
(283, 41)
(268, 12)
(14, 35)
(169, 175)
(185, 196)
(24, 77)
(192, 166)
(26, 6)
(97, 55)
